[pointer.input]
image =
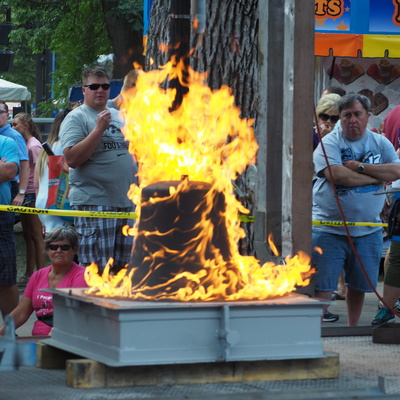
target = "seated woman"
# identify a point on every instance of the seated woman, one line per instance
(61, 244)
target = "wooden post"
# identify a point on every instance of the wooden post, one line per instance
(284, 132)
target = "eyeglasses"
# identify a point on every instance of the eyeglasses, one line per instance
(325, 117)
(3, 111)
(63, 247)
(96, 86)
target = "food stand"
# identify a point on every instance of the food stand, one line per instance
(357, 47)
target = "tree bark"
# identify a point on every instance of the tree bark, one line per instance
(227, 51)
(127, 43)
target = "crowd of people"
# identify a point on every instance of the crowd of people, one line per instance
(352, 165)
(89, 140)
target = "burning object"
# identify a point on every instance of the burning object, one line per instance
(226, 307)
(186, 238)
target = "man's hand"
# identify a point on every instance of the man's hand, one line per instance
(352, 164)
(103, 120)
(18, 200)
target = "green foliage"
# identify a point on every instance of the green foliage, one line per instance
(75, 30)
(72, 29)
(131, 10)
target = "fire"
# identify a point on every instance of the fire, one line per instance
(205, 141)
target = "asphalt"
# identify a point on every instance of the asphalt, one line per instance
(368, 370)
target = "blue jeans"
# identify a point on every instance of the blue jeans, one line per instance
(338, 254)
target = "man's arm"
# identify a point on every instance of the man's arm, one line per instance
(80, 152)
(349, 178)
(8, 170)
(382, 172)
(23, 182)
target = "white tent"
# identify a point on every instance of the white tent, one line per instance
(10, 91)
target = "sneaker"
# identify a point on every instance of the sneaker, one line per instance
(396, 306)
(23, 281)
(337, 296)
(384, 316)
(329, 317)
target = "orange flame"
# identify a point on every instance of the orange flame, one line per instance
(318, 250)
(272, 245)
(206, 140)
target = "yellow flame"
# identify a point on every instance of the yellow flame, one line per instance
(205, 139)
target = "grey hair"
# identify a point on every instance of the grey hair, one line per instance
(62, 233)
(349, 99)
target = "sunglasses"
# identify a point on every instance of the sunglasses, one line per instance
(96, 86)
(325, 117)
(63, 247)
(3, 111)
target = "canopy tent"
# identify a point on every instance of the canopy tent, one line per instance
(12, 92)
(348, 28)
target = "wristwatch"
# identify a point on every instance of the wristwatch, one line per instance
(22, 191)
(360, 167)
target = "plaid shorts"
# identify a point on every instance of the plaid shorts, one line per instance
(8, 256)
(101, 238)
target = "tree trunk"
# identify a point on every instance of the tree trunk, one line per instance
(127, 43)
(227, 51)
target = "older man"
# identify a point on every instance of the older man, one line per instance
(359, 162)
(9, 164)
(101, 172)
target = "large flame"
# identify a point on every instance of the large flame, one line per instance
(205, 140)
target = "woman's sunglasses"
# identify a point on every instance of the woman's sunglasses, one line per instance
(63, 247)
(325, 117)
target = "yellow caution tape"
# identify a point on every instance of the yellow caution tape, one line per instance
(133, 215)
(69, 213)
(246, 218)
(340, 223)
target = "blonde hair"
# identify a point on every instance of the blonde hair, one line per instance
(26, 118)
(327, 102)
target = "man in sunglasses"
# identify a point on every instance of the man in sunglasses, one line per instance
(101, 172)
(351, 167)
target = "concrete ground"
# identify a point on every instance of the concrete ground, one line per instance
(367, 371)
(368, 314)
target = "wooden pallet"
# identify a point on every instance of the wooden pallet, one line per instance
(84, 373)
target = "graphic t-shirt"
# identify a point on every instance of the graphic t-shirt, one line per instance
(42, 302)
(359, 203)
(105, 178)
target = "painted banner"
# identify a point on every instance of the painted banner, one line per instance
(346, 27)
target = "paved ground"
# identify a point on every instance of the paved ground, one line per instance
(369, 311)
(367, 371)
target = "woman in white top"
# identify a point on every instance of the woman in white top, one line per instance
(42, 176)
